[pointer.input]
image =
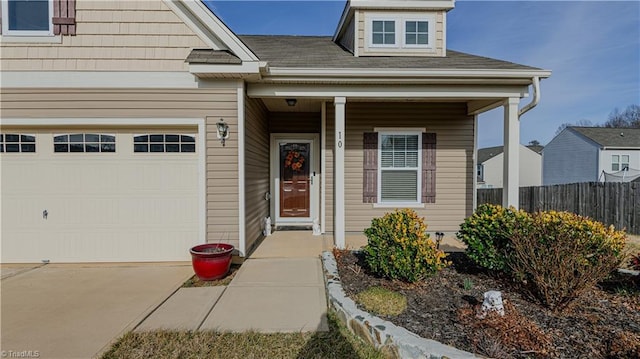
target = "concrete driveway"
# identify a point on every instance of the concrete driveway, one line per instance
(78, 310)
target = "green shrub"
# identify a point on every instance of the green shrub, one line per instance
(399, 247)
(559, 255)
(486, 234)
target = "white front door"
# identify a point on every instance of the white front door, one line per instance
(295, 187)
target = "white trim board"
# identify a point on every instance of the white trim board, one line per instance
(241, 172)
(97, 79)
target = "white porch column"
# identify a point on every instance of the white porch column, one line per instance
(511, 170)
(338, 183)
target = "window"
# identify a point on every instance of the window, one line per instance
(399, 168)
(416, 32)
(480, 172)
(383, 32)
(12, 142)
(84, 142)
(164, 143)
(400, 31)
(27, 17)
(619, 163)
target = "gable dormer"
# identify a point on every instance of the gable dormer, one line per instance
(394, 27)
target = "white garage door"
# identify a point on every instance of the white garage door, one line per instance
(98, 195)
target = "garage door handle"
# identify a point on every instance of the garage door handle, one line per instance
(45, 214)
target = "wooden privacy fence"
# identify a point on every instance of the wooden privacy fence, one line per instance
(611, 202)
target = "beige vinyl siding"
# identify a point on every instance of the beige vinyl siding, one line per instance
(139, 35)
(256, 170)
(294, 122)
(439, 49)
(211, 104)
(454, 160)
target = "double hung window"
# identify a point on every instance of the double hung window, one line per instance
(399, 168)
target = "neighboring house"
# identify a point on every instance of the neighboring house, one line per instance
(490, 167)
(586, 154)
(133, 130)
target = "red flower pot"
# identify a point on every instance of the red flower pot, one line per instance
(212, 260)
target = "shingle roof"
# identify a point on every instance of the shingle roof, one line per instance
(488, 153)
(536, 148)
(322, 52)
(208, 56)
(611, 137)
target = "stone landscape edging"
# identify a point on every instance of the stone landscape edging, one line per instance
(390, 338)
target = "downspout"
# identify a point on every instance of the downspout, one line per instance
(536, 97)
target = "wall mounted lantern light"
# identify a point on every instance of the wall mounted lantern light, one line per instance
(291, 101)
(223, 131)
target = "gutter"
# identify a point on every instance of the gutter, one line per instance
(536, 97)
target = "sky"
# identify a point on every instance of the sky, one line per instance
(591, 47)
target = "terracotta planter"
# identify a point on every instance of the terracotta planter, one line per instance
(212, 260)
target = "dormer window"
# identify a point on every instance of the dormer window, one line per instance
(383, 32)
(386, 31)
(416, 33)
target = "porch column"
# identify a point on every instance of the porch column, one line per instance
(338, 183)
(511, 170)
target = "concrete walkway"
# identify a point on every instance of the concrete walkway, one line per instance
(78, 310)
(280, 288)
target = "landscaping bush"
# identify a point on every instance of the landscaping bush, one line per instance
(559, 255)
(486, 234)
(399, 247)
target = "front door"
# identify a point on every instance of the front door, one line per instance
(295, 186)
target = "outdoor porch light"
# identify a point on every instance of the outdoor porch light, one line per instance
(223, 130)
(291, 101)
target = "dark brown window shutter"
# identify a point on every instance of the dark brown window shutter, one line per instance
(64, 17)
(428, 167)
(370, 164)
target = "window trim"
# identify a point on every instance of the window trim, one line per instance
(400, 20)
(408, 204)
(31, 33)
(395, 32)
(430, 30)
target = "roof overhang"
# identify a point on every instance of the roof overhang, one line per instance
(391, 92)
(246, 70)
(404, 74)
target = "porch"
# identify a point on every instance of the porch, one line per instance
(335, 180)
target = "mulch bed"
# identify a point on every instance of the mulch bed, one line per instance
(604, 323)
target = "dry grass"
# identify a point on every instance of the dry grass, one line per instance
(196, 282)
(338, 342)
(383, 301)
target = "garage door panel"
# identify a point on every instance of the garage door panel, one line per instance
(115, 207)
